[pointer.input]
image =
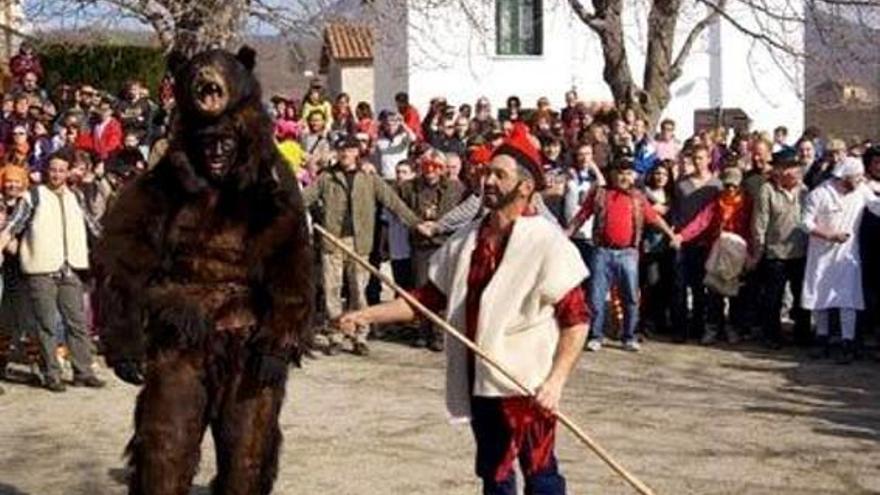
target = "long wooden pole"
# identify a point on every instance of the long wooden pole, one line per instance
(440, 322)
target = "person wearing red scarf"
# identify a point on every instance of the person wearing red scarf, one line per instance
(504, 260)
(731, 211)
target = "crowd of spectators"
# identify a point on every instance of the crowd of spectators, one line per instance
(701, 237)
(64, 156)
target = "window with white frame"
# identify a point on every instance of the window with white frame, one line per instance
(518, 27)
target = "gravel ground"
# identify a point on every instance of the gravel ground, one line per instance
(685, 419)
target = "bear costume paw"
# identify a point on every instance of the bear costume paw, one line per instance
(129, 371)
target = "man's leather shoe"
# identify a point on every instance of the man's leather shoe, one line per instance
(89, 381)
(361, 349)
(55, 385)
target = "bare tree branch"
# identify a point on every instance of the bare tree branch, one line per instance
(591, 20)
(676, 69)
(853, 3)
(758, 35)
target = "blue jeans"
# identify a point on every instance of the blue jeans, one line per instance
(610, 266)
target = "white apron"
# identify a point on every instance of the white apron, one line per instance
(833, 277)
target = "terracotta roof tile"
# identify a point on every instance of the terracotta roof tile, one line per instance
(348, 42)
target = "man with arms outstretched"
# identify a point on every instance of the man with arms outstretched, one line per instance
(511, 281)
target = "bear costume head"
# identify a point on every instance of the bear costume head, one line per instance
(221, 133)
(214, 82)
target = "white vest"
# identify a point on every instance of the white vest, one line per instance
(57, 233)
(516, 324)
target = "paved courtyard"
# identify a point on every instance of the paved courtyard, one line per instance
(685, 419)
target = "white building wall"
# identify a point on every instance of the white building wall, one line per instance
(334, 78)
(12, 15)
(450, 51)
(357, 81)
(768, 86)
(391, 56)
(454, 56)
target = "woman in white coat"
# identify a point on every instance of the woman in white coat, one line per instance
(832, 215)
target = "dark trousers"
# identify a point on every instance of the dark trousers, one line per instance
(869, 318)
(55, 297)
(585, 248)
(736, 311)
(656, 277)
(374, 285)
(690, 270)
(774, 274)
(403, 273)
(493, 438)
(750, 300)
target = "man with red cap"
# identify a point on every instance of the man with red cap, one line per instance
(511, 281)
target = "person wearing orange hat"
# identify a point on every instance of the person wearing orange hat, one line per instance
(13, 184)
(511, 281)
(430, 196)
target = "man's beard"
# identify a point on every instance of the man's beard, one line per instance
(495, 200)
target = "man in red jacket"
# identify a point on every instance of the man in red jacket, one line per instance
(107, 133)
(619, 213)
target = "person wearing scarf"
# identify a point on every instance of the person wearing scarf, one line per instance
(726, 224)
(508, 258)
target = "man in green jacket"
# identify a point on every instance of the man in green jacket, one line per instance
(348, 197)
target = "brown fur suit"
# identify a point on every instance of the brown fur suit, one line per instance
(206, 288)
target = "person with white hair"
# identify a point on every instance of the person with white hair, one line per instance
(832, 215)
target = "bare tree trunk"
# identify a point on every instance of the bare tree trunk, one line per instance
(657, 77)
(662, 67)
(617, 72)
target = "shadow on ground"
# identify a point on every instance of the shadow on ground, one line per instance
(6, 489)
(844, 396)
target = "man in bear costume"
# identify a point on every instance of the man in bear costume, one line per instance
(205, 286)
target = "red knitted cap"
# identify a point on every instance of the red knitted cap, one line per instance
(519, 147)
